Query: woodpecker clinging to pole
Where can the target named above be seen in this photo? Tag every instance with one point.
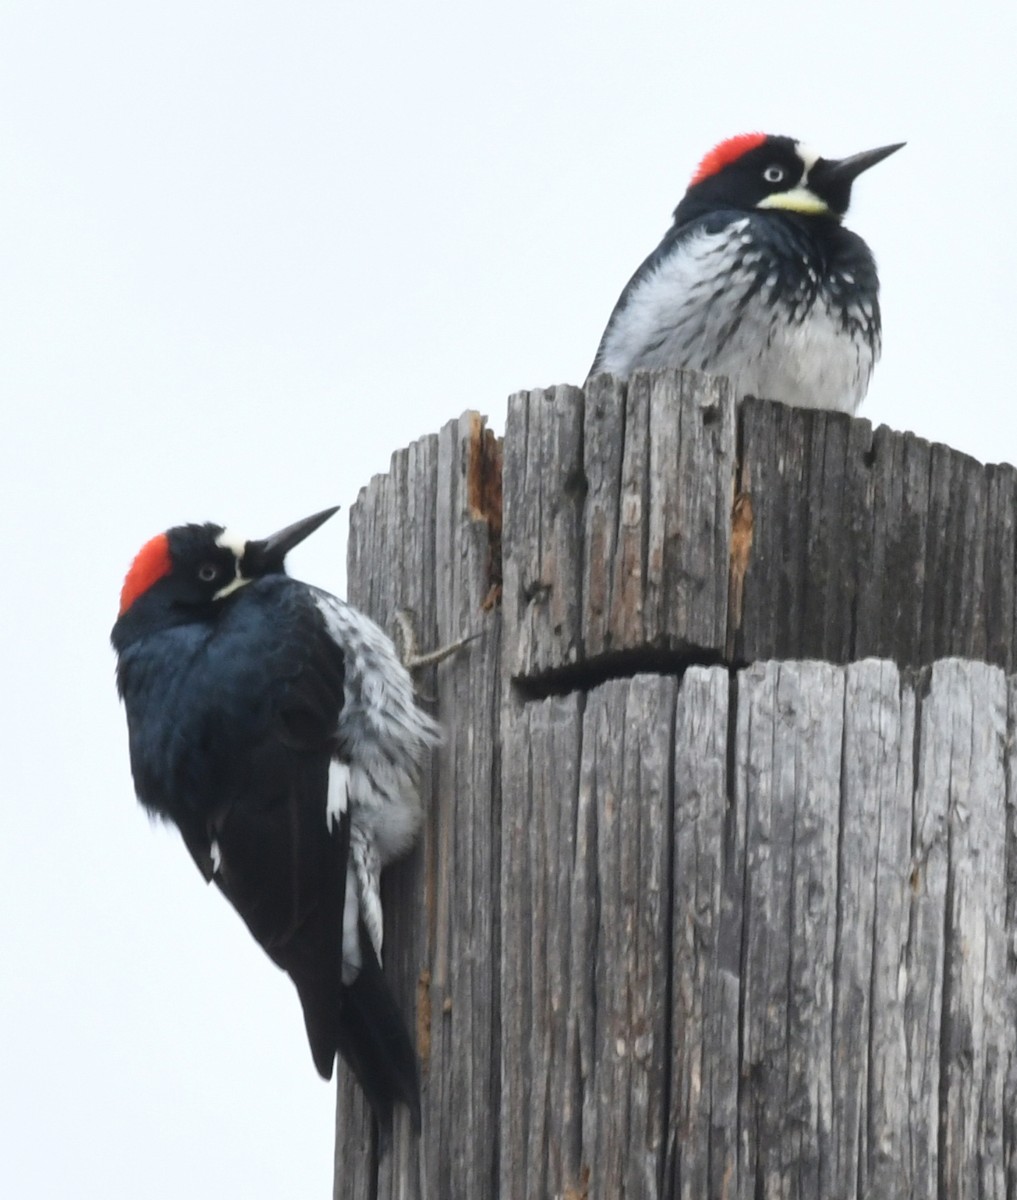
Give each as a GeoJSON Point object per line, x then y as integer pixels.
{"type": "Point", "coordinates": [758, 280]}
{"type": "Point", "coordinates": [275, 726]}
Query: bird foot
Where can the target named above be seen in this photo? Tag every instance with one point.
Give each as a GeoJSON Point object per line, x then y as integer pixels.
{"type": "Point", "coordinates": [406, 644]}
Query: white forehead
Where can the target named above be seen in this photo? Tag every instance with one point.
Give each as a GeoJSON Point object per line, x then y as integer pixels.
{"type": "Point", "coordinates": [808, 156]}
{"type": "Point", "coordinates": [236, 543]}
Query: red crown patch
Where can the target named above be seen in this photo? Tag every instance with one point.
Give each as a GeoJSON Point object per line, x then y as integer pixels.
{"type": "Point", "coordinates": [151, 563]}
{"type": "Point", "coordinates": [726, 152]}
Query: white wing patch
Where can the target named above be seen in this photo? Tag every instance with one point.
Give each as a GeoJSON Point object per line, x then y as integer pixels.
{"type": "Point", "coordinates": [367, 869]}
{"type": "Point", "coordinates": [338, 802]}
{"type": "Point", "coordinates": [384, 739]}
{"type": "Point", "coordinates": [216, 856]}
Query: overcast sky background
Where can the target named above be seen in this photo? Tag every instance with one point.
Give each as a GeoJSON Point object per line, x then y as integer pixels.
{"type": "Point", "coordinates": [249, 249]}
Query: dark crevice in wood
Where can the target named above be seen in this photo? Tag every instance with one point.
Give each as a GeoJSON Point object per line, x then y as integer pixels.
{"type": "Point", "coordinates": [1009, 1108]}
{"type": "Point", "coordinates": [622, 437]}
{"type": "Point", "coordinates": [484, 498]}
{"type": "Point", "coordinates": [596, 896]}
{"type": "Point", "coordinates": [372, 1191]}
{"type": "Point", "coordinates": [837, 984]}
{"type": "Point", "coordinates": [914, 883]}
{"type": "Point", "coordinates": [853, 630]}
{"type": "Point", "coordinates": [810, 596]}
{"type": "Point", "coordinates": [795, 920]}
{"type": "Point", "coordinates": [496, 925]}
{"type": "Point", "coordinates": [577, 488]}
{"type": "Point", "coordinates": [644, 496]}
{"type": "Point", "coordinates": [1010, 848]}
{"type": "Point", "coordinates": [669, 928]}
{"type": "Point", "coordinates": [741, 541]}
{"type": "Point", "coordinates": [946, 1020]}
{"type": "Point", "coordinates": [579, 1079]}
{"type": "Point", "coordinates": [732, 944]}
{"type": "Point", "coordinates": [869, 1138]}
{"type": "Point", "coordinates": [621, 664]}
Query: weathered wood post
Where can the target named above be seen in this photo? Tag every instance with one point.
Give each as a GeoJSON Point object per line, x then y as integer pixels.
{"type": "Point", "coordinates": [718, 890]}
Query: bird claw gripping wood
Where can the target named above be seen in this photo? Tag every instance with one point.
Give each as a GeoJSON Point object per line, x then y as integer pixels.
{"type": "Point", "coordinates": [406, 645]}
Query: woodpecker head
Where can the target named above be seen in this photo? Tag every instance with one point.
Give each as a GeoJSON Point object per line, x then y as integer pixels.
{"type": "Point", "coordinates": [192, 567]}
{"type": "Point", "coordinates": [761, 171]}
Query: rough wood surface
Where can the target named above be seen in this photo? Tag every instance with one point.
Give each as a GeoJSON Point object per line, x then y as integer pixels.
{"type": "Point", "coordinates": [702, 931]}
{"type": "Point", "coordinates": [543, 496]}
{"type": "Point", "coordinates": [649, 518]}
{"type": "Point", "coordinates": [617, 519]}
{"type": "Point", "coordinates": [439, 904]}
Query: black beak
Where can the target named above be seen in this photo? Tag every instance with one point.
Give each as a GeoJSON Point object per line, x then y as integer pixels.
{"type": "Point", "coordinates": [267, 555]}
{"type": "Point", "coordinates": [847, 170]}
{"type": "Point", "coordinates": [831, 178]}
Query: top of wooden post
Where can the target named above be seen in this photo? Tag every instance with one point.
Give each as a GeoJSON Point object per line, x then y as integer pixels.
{"type": "Point", "coordinates": [657, 520]}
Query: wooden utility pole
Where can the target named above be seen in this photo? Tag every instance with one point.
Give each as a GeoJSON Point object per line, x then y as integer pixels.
{"type": "Point", "coordinates": [717, 895]}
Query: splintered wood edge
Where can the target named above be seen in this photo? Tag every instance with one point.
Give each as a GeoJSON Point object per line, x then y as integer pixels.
{"type": "Point", "coordinates": [484, 496]}
{"type": "Point", "coordinates": [742, 523]}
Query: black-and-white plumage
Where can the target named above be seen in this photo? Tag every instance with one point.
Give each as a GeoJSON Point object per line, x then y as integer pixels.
{"type": "Point", "coordinates": [275, 725]}
{"type": "Point", "coordinates": [383, 737]}
{"type": "Point", "coordinates": [758, 280]}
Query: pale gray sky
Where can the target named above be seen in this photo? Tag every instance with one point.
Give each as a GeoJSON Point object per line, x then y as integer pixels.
{"type": "Point", "coordinates": [246, 251]}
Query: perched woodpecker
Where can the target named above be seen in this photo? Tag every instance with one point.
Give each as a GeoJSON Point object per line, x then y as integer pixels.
{"type": "Point", "coordinates": [275, 726]}
{"type": "Point", "coordinates": [758, 280]}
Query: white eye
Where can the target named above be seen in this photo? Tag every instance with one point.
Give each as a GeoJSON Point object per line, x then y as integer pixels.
{"type": "Point", "coordinates": [773, 174]}
{"type": "Point", "coordinates": [207, 572]}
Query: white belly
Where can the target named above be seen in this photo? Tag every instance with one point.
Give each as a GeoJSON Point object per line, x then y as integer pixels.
{"type": "Point", "coordinates": [698, 309]}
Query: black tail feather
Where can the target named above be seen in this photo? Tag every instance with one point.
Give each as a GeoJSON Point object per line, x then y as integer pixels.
{"type": "Point", "coordinates": [373, 1039]}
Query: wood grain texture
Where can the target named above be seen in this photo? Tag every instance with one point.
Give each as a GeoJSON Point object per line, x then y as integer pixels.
{"type": "Point", "coordinates": [543, 498]}
{"type": "Point", "coordinates": [547, 929]}
{"type": "Point", "coordinates": [701, 1152]}
{"type": "Point", "coordinates": [875, 885]}
{"type": "Point", "coordinates": [712, 930]}
{"type": "Point", "coordinates": [423, 547]}
{"type": "Point", "coordinates": [752, 942]}
{"type": "Point", "coordinates": [650, 517]}
{"type": "Point", "coordinates": [617, 519]}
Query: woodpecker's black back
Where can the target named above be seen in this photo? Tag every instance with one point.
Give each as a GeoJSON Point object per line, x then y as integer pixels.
{"type": "Point", "coordinates": [757, 279]}
{"type": "Point", "coordinates": [234, 689]}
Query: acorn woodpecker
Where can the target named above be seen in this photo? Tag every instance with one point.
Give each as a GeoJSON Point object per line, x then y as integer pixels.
{"type": "Point", "coordinates": [758, 280]}
{"type": "Point", "coordinates": [275, 726]}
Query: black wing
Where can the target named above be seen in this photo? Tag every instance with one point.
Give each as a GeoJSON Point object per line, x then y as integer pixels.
{"type": "Point", "coordinates": [275, 852]}
{"type": "Point", "coordinates": [267, 838]}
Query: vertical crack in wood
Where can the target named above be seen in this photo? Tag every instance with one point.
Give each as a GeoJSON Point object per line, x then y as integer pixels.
{"type": "Point", "coordinates": [499, 694]}
{"type": "Point", "coordinates": [944, 1156]}
{"type": "Point", "coordinates": [1009, 1117]}
{"type": "Point", "coordinates": [424, 1020]}
{"type": "Point", "coordinates": [915, 872]}
{"type": "Point", "coordinates": [734, 934]}
{"type": "Point", "coordinates": [648, 622]}
{"type": "Point", "coordinates": [838, 982]}
{"type": "Point", "coordinates": [580, 1070]}
{"type": "Point", "coordinates": [742, 522]}
{"type": "Point", "coordinates": [668, 1057]}
{"type": "Point", "coordinates": [623, 436]}
{"type": "Point", "coordinates": [580, 1190]}
{"type": "Point", "coordinates": [484, 497]}
{"type": "Point", "coordinates": [732, 938]}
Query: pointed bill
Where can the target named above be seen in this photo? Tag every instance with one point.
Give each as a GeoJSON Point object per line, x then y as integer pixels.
{"type": "Point", "coordinates": [846, 170]}
{"type": "Point", "coordinates": [269, 553]}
